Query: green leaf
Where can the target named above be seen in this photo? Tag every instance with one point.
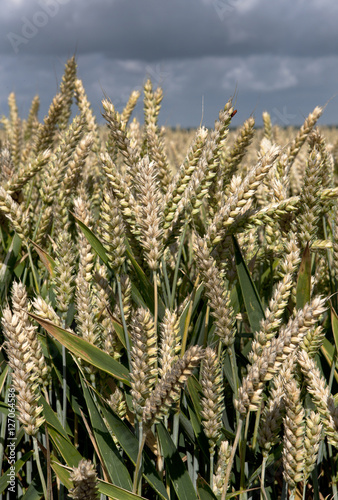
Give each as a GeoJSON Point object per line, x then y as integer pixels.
{"type": "Point", "coordinates": [118, 328]}
{"type": "Point", "coordinates": [204, 491]}
{"type": "Point", "coordinates": [51, 417]}
{"type": "Point", "coordinates": [52, 349]}
{"type": "Point", "coordinates": [129, 444]}
{"type": "Point", "coordinates": [303, 293]}
{"type": "Point", "coordinates": [334, 323]}
{"type": "Point", "coordinates": [109, 454]}
{"type": "Point", "coordinates": [251, 298]}
{"type": "Point", "coordinates": [93, 240]}
{"type": "Point", "coordinates": [116, 493]}
{"type": "Point", "coordinates": [178, 474]}
{"type": "Point", "coordinates": [8, 265]}
{"type": "Point", "coordinates": [104, 488]}
{"type": "Point", "coordinates": [85, 350]}
{"type": "Point", "coordinates": [3, 377]}
{"type": "Point", "coordinates": [46, 259]}
{"type": "Point", "coordinates": [194, 388]}
{"type": "Point", "coordinates": [147, 289]}
{"type": "Point", "coordinates": [4, 479]}
{"type": "Point", "coordinates": [68, 451]}
{"type": "Point", "coordinates": [196, 297]}
{"type": "Point", "coordinates": [4, 408]}
{"type": "Point", "coordinates": [34, 490]}
{"type": "Point", "coordinates": [62, 473]}
{"type": "Point", "coordinates": [198, 430]}
{"type": "Point", "coordinates": [329, 352]}
{"type": "Point", "coordinates": [59, 436]}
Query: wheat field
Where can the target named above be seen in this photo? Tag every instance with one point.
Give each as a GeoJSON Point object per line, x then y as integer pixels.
{"type": "Point", "coordinates": [168, 305]}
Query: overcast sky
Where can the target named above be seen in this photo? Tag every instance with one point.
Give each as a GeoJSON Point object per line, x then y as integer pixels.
{"type": "Point", "coordinates": [275, 55]}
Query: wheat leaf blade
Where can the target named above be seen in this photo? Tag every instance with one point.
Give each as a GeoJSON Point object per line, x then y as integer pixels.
{"type": "Point", "coordinates": [85, 350]}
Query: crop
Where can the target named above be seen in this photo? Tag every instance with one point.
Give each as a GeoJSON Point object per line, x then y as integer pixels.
{"type": "Point", "coordinates": [169, 324]}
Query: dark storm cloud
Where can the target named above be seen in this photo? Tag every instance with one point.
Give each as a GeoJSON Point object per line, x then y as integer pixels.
{"type": "Point", "coordinates": [160, 29]}
{"type": "Point", "coordinates": [279, 56]}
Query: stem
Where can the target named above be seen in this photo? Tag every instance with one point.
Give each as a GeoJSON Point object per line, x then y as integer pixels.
{"type": "Point", "coordinates": [37, 289]}
{"type": "Point", "coordinates": [176, 426]}
{"type": "Point", "coordinates": [314, 476]}
{"type": "Point", "coordinates": [29, 463]}
{"type": "Point", "coordinates": [126, 336]}
{"type": "Point", "coordinates": [188, 318]}
{"type": "Point", "coordinates": [333, 368]}
{"type": "Point", "coordinates": [242, 451]}
{"type": "Point", "coordinates": [206, 324]}
{"type": "Point", "coordinates": [304, 490]}
{"type": "Point", "coordinates": [211, 480]}
{"type": "Point", "coordinates": [263, 494]}
{"type": "Point", "coordinates": [37, 458]}
{"type": "Point", "coordinates": [138, 466]}
{"type": "Point", "coordinates": [258, 417]}
{"type": "Point", "coordinates": [37, 224]}
{"type": "Point", "coordinates": [24, 278]}
{"type": "Point", "coordinates": [284, 489]}
{"type": "Point", "coordinates": [179, 253]}
{"type": "Point", "coordinates": [159, 460]}
{"type": "Point", "coordinates": [155, 303]}
{"type": "Point", "coordinates": [49, 469]}
{"type": "Point", "coordinates": [64, 387]}
{"type": "Point", "coordinates": [232, 356]}
{"type": "Point", "coordinates": [334, 477]}
{"type": "Point", "coordinates": [231, 459]}
{"type": "Point", "coordinates": [155, 315]}
{"type": "Point", "coordinates": [166, 280]}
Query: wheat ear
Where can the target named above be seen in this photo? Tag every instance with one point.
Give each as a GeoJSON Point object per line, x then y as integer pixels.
{"type": "Point", "coordinates": [213, 398]}
{"type": "Point", "coordinates": [67, 86]}
{"type": "Point", "coordinates": [168, 389]}
{"type": "Point", "coordinates": [143, 359]}
{"type": "Point", "coordinates": [85, 482]}
{"type": "Point", "coordinates": [240, 197]}
{"type": "Point", "coordinates": [23, 377]}
{"type": "Point", "coordinates": [149, 217]}
{"type": "Point", "coordinates": [216, 291]}
{"type": "Point", "coordinates": [321, 395]}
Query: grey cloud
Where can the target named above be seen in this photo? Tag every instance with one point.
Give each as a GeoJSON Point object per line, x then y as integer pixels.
{"type": "Point", "coordinates": [279, 56]}
{"type": "Point", "coordinates": [158, 29]}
